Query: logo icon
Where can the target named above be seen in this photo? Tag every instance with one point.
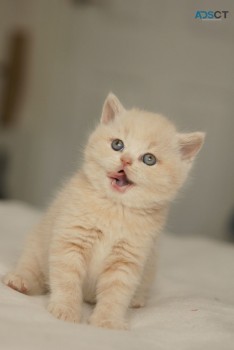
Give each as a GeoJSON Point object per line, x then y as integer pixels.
{"type": "Point", "coordinates": [211, 15]}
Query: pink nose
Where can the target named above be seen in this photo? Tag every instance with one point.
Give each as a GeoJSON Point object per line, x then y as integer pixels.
{"type": "Point", "coordinates": [126, 160]}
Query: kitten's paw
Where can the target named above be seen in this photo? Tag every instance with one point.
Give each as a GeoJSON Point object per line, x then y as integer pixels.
{"type": "Point", "coordinates": [63, 312]}
{"type": "Point", "coordinates": [138, 302]}
{"type": "Point", "coordinates": [16, 282]}
{"type": "Point", "coordinates": [106, 322]}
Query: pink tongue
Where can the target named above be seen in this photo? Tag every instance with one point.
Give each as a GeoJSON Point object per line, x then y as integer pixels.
{"type": "Point", "coordinates": [121, 182]}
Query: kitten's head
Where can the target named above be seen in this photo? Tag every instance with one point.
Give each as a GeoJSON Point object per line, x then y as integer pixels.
{"type": "Point", "coordinates": [138, 158]}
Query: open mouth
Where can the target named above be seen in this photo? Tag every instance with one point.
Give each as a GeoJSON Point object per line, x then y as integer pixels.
{"type": "Point", "coordinates": [120, 181]}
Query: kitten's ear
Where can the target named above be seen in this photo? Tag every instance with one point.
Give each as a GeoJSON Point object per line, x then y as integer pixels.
{"type": "Point", "coordinates": [190, 144]}
{"type": "Point", "coordinates": [112, 107]}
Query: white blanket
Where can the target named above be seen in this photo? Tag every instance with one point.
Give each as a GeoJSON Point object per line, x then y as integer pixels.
{"type": "Point", "coordinates": [191, 305]}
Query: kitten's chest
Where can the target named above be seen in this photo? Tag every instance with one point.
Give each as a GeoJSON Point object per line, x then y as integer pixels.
{"type": "Point", "coordinates": [113, 227]}
{"type": "Point", "coordinates": [114, 224]}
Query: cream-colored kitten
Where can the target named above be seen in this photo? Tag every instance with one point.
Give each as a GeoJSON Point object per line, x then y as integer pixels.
{"type": "Point", "coordinates": [97, 241]}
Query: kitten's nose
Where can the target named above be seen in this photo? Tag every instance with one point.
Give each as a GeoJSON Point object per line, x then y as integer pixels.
{"type": "Point", "coordinates": [126, 159]}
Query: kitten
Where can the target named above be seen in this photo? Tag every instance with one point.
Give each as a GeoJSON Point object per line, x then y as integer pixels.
{"type": "Point", "coordinates": [97, 242]}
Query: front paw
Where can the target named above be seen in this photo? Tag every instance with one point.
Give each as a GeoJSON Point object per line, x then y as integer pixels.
{"type": "Point", "coordinates": [64, 312]}
{"type": "Point", "coordinates": [107, 322]}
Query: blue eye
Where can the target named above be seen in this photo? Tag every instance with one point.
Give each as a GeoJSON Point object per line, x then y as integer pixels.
{"type": "Point", "coordinates": [117, 145]}
{"type": "Point", "coordinates": [149, 159]}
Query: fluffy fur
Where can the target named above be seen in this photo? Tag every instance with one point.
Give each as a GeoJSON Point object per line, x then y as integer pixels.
{"type": "Point", "coordinates": [97, 242]}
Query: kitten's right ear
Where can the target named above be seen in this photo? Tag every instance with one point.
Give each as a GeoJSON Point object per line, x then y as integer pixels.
{"type": "Point", "coordinates": [112, 107]}
{"type": "Point", "coordinates": [190, 144]}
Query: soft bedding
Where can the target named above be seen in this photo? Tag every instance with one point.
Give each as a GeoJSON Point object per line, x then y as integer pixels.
{"type": "Point", "coordinates": [190, 307]}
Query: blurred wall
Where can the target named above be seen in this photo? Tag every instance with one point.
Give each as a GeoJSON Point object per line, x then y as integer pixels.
{"type": "Point", "coordinates": [152, 54]}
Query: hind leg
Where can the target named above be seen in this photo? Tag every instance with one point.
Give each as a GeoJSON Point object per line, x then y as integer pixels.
{"type": "Point", "coordinates": [27, 277]}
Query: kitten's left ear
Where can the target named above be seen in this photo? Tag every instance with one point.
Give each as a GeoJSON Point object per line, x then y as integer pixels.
{"type": "Point", "coordinates": [112, 107]}
{"type": "Point", "coordinates": [190, 144]}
